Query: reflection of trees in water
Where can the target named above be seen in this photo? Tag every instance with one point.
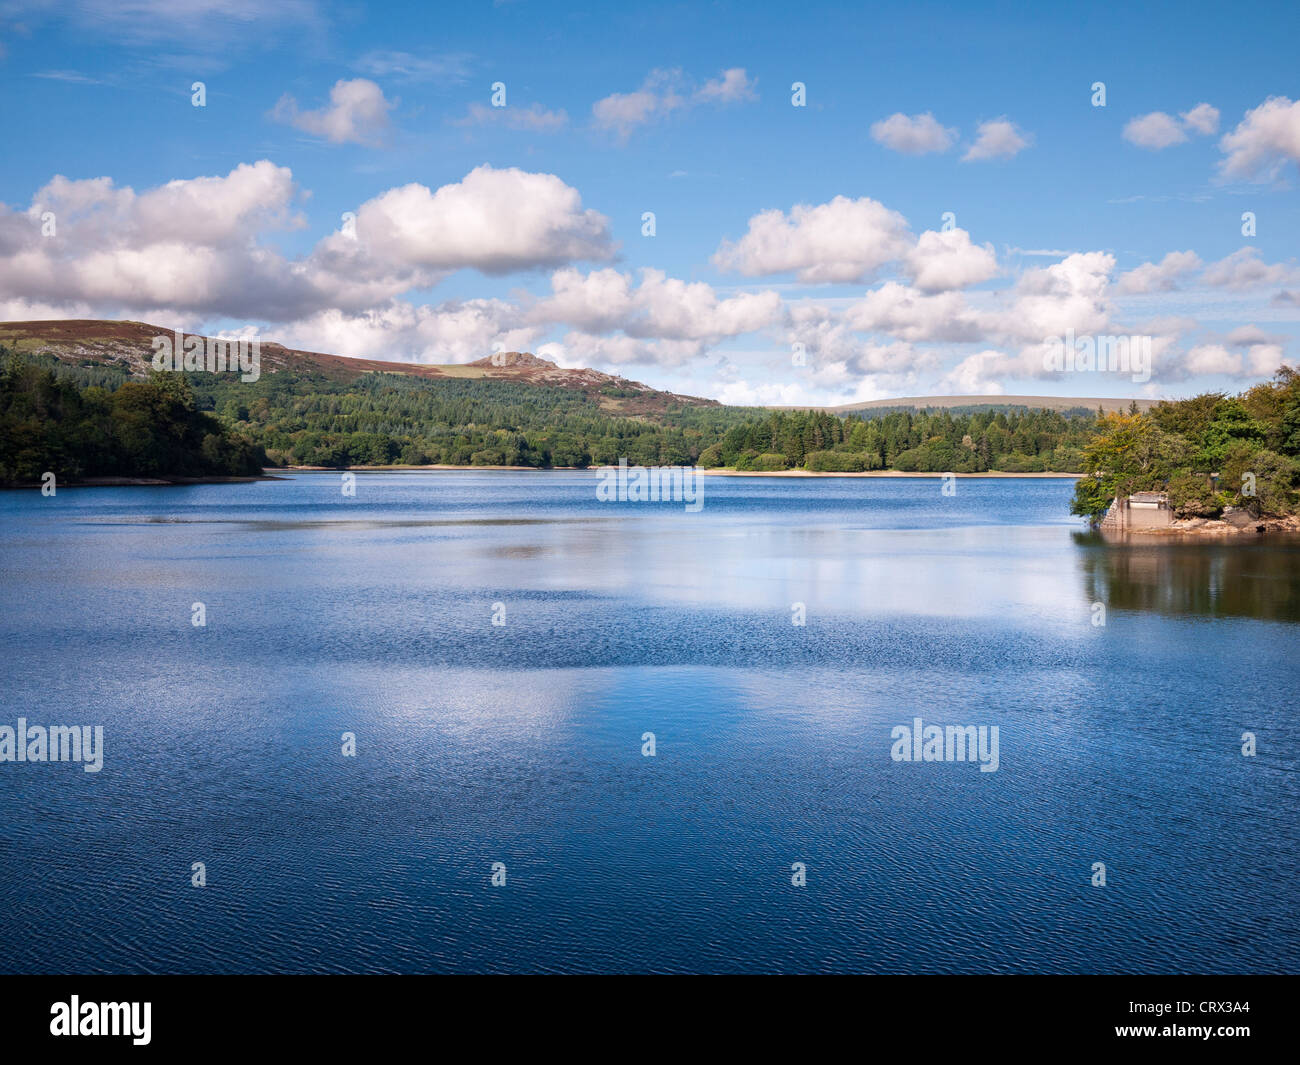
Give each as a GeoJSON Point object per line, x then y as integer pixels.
{"type": "Point", "coordinates": [1258, 580]}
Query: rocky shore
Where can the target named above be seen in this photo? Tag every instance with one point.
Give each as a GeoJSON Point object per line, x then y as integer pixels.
{"type": "Point", "coordinates": [1234, 522]}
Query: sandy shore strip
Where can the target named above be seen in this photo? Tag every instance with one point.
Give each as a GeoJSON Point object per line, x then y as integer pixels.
{"type": "Point", "coordinates": [877, 473]}
{"type": "Point", "coordinates": [414, 469]}
{"type": "Point", "coordinates": [714, 472]}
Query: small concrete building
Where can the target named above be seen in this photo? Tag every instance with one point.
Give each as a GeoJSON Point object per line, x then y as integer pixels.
{"type": "Point", "coordinates": [1141, 510]}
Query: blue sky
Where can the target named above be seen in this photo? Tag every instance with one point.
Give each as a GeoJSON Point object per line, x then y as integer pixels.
{"type": "Point", "coordinates": [800, 253]}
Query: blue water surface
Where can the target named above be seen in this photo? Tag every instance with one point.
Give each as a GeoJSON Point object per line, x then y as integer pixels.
{"type": "Point", "coordinates": [521, 743]}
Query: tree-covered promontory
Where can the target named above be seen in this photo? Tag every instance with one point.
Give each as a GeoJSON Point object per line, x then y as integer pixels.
{"type": "Point", "coordinates": [1208, 453]}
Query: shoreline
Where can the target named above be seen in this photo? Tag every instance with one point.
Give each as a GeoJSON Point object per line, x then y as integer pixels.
{"type": "Point", "coordinates": [414, 469]}
{"type": "Point", "coordinates": [713, 471]}
{"type": "Point", "coordinates": [991, 474]}
{"type": "Point", "coordinates": [276, 473]}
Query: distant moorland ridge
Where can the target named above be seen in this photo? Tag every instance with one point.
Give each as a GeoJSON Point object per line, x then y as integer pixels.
{"type": "Point", "coordinates": [1091, 403]}
{"type": "Point", "coordinates": [130, 345]}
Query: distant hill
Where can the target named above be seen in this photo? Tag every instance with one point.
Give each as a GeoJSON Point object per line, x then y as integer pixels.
{"type": "Point", "coordinates": [129, 345]}
{"type": "Point", "coordinates": [972, 403]}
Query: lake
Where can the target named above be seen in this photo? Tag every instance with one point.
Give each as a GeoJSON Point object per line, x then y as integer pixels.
{"type": "Point", "coordinates": [776, 758]}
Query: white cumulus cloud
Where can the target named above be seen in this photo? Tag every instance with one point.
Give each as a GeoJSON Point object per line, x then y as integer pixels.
{"type": "Point", "coordinates": [1263, 141]}
{"type": "Point", "coordinates": [1154, 131]}
{"type": "Point", "coordinates": [357, 113]}
{"type": "Point", "coordinates": [913, 134]}
{"type": "Point", "coordinates": [659, 307]}
{"type": "Point", "coordinates": [1244, 269]}
{"type": "Point", "coordinates": [1202, 119]}
{"type": "Point", "coordinates": [495, 221]}
{"type": "Point", "coordinates": [843, 240]}
{"type": "Point", "coordinates": [665, 92]}
{"type": "Point", "coordinates": [1159, 277]}
{"type": "Point", "coordinates": [947, 259]}
{"type": "Point", "coordinates": [998, 139]}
